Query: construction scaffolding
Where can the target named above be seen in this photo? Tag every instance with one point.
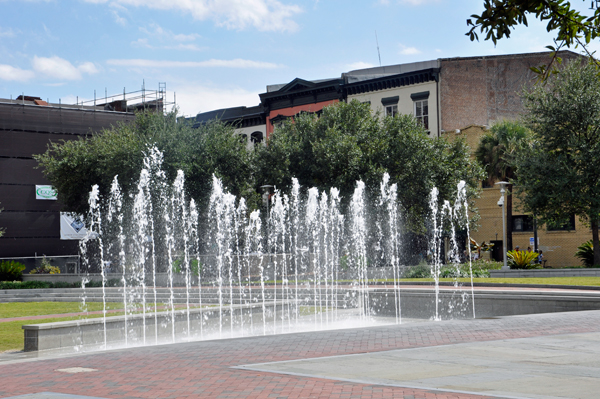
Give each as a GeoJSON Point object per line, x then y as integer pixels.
{"type": "Point", "coordinates": [144, 99]}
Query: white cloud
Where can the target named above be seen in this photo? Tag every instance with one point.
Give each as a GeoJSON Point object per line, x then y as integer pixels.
{"type": "Point", "coordinates": [188, 47]}
{"type": "Point", "coordinates": [7, 32]}
{"type": "Point", "coordinates": [264, 15]}
{"type": "Point", "coordinates": [88, 67]}
{"type": "Point", "coordinates": [141, 43]}
{"type": "Point", "coordinates": [159, 34]}
{"type": "Point", "coordinates": [404, 50]}
{"type": "Point", "coordinates": [119, 19]}
{"type": "Point", "coordinates": [194, 99]}
{"type": "Point", "coordinates": [11, 73]}
{"type": "Point", "coordinates": [236, 63]}
{"type": "Point", "coordinates": [359, 65]}
{"type": "Point", "coordinates": [59, 68]}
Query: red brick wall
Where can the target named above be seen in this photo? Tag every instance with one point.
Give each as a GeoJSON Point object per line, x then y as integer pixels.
{"type": "Point", "coordinates": [483, 90]}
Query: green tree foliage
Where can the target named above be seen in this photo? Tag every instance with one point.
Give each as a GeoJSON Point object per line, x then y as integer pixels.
{"type": "Point", "coordinates": [494, 153]}
{"type": "Point", "coordinates": [558, 170]}
{"type": "Point", "coordinates": [572, 28]}
{"type": "Point", "coordinates": [347, 143]}
{"type": "Point", "coordinates": [74, 166]}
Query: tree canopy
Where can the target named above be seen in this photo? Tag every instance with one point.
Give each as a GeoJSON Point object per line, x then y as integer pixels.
{"type": "Point", "coordinates": [573, 28]}
{"type": "Point", "coordinates": [74, 166]}
{"type": "Point", "coordinates": [347, 143]}
{"type": "Point", "coordinates": [344, 144]}
{"type": "Point", "coordinates": [558, 170]}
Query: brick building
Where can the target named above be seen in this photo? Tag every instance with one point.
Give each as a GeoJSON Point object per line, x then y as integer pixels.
{"type": "Point", "coordinates": [444, 94]}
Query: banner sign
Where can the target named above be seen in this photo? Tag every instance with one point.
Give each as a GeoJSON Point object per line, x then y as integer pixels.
{"type": "Point", "coordinates": [45, 193]}
{"type": "Point", "coordinates": [72, 227]}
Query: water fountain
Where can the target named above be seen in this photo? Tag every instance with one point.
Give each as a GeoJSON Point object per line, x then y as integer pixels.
{"type": "Point", "coordinates": [186, 274]}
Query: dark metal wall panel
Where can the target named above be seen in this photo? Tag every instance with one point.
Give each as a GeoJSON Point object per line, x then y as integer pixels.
{"type": "Point", "coordinates": [30, 224]}
{"type": "Point", "coordinates": [22, 198]}
{"type": "Point", "coordinates": [53, 119]}
{"type": "Point", "coordinates": [24, 143]}
{"type": "Point", "coordinates": [20, 171]}
{"type": "Point", "coordinates": [41, 246]}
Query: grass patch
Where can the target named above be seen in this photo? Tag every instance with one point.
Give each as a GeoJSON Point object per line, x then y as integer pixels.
{"type": "Point", "coordinates": [11, 333]}
{"type": "Point", "coordinates": [21, 309]}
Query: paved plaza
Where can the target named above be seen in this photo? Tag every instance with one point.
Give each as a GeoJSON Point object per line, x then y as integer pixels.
{"type": "Point", "coordinates": [553, 355]}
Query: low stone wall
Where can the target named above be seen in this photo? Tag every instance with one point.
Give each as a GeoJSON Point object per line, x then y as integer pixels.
{"type": "Point", "coordinates": [89, 333]}
{"type": "Point", "coordinates": [545, 273]}
{"type": "Point", "coordinates": [454, 305]}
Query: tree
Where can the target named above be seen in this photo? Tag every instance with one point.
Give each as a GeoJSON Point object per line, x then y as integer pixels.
{"type": "Point", "coordinates": [74, 166]}
{"type": "Point", "coordinates": [558, 170]}
{"type": "Point", "coordinates": [494, 153]}
{"type": "Point", "coordinates": [573, 28]}
{"type": "Point", "coordinates": [347, 143]}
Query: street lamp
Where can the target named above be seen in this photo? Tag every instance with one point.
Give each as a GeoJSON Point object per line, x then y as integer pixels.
{"type": "Point", "coordinates": [501, 202]}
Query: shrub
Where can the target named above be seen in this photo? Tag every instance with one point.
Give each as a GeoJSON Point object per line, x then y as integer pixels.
{"type": "Point", "coordinates": [23, 285]}
{"type": "Point", "coordinates": [463, 272]}
{"type": "Point", "coordinates": [11, 270]}
{"type": "Point", "coordinates": [522, 260]}
{"type": "Point", "coordinates": [585, 253]}
{"type": "Point", "coordinates": [45, 268]}
{"type": "Point", "coordinates": [422, 270]}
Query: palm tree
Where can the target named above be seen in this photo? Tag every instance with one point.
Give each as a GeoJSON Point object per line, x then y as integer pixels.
{"type": "Point", "coordinates": [494, 154]}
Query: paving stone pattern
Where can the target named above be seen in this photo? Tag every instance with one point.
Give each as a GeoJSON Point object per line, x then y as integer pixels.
{"type": "Point", "coordinates": [204, 369]}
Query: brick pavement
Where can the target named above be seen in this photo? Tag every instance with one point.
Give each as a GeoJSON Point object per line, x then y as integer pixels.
{"type": "Point", "coordinates": [203, 369]}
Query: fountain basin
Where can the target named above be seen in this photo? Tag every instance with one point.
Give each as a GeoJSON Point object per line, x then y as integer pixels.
{"type": "Point", "coordinates": [89, 334]}
{"type": "Point", "coordinates": [208, 323]}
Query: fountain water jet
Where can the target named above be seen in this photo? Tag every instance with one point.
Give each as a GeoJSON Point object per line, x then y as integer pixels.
{"type": "Point", "coordinates": [312, 265]}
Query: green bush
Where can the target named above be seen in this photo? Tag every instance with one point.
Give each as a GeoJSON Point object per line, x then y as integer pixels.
{"type": "Point", "coordinates": [585, 253]}
{"type": "Point", "coordinates": [522, 260]}
{"type": "Point", "coordinates": [462, 272]}
{"type": "Point", "coordinates": [23, 285]}
{"type": "Point", "coordinates": [422, 270]}
{"type": "Point", "coordinates": [11, 270]}
{"type": "Point", "coordinates": [45, 268]}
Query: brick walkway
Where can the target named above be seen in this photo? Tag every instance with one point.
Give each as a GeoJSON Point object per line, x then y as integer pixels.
{"type": "Point", "coordinates": [203, 369]}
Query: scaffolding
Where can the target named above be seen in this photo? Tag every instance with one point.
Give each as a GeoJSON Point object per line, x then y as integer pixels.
{"type": "Point", "coordinates": [144, 99]}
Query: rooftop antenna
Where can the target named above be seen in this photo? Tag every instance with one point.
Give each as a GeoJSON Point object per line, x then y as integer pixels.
{"type": "Point", "coordinates": [378, 53]}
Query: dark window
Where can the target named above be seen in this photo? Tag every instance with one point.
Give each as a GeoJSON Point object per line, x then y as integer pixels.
{"type": "Point", "coordinates": [522, 223]}
{"type": "Point", "coordinates": [569, 224]}
{"type": "Point", "coordinates": [256, 137]}
{"type": "Point", "coordinates": [422, 113]}
{"type": "Point", "coordinates": [486, 184]}
{"type": "Point", "coordinates": [391, 110]}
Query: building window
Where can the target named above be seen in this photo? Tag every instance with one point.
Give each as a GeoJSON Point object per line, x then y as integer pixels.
{"type": "Point", "coordinates": [522, 223]}
{"type": "Point", "coordinates": [422, 113]}
{"type": "Point", "coordinates": [391, 110]}
{"type": "Point", "coordinates": [390, 104]}
{"type": "Point", "coordinates": [256, 137]}
{"type": "Point", "coordinates": [569, 224]}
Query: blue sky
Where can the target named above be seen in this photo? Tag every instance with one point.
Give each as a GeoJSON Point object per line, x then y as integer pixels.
{"type": "Point", "coordinates": [222, 53]}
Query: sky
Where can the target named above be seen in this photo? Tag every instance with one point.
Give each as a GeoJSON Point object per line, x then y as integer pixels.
{"type": "Point", "coordinates": [214, 54]}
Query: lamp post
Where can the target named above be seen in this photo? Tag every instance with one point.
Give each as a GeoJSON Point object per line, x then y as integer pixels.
{"type": "Point", "coordinates": [501, 202]}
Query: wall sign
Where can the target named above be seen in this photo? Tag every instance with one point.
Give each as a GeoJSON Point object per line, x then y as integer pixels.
{"type": "Point", "coordinates": [45, 193]}
{"type": "Point", "coordinates": [72, 227]}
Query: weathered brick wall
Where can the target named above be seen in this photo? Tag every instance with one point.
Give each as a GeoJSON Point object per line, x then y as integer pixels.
{"type": "Point", "coordinates": [483, 90]}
